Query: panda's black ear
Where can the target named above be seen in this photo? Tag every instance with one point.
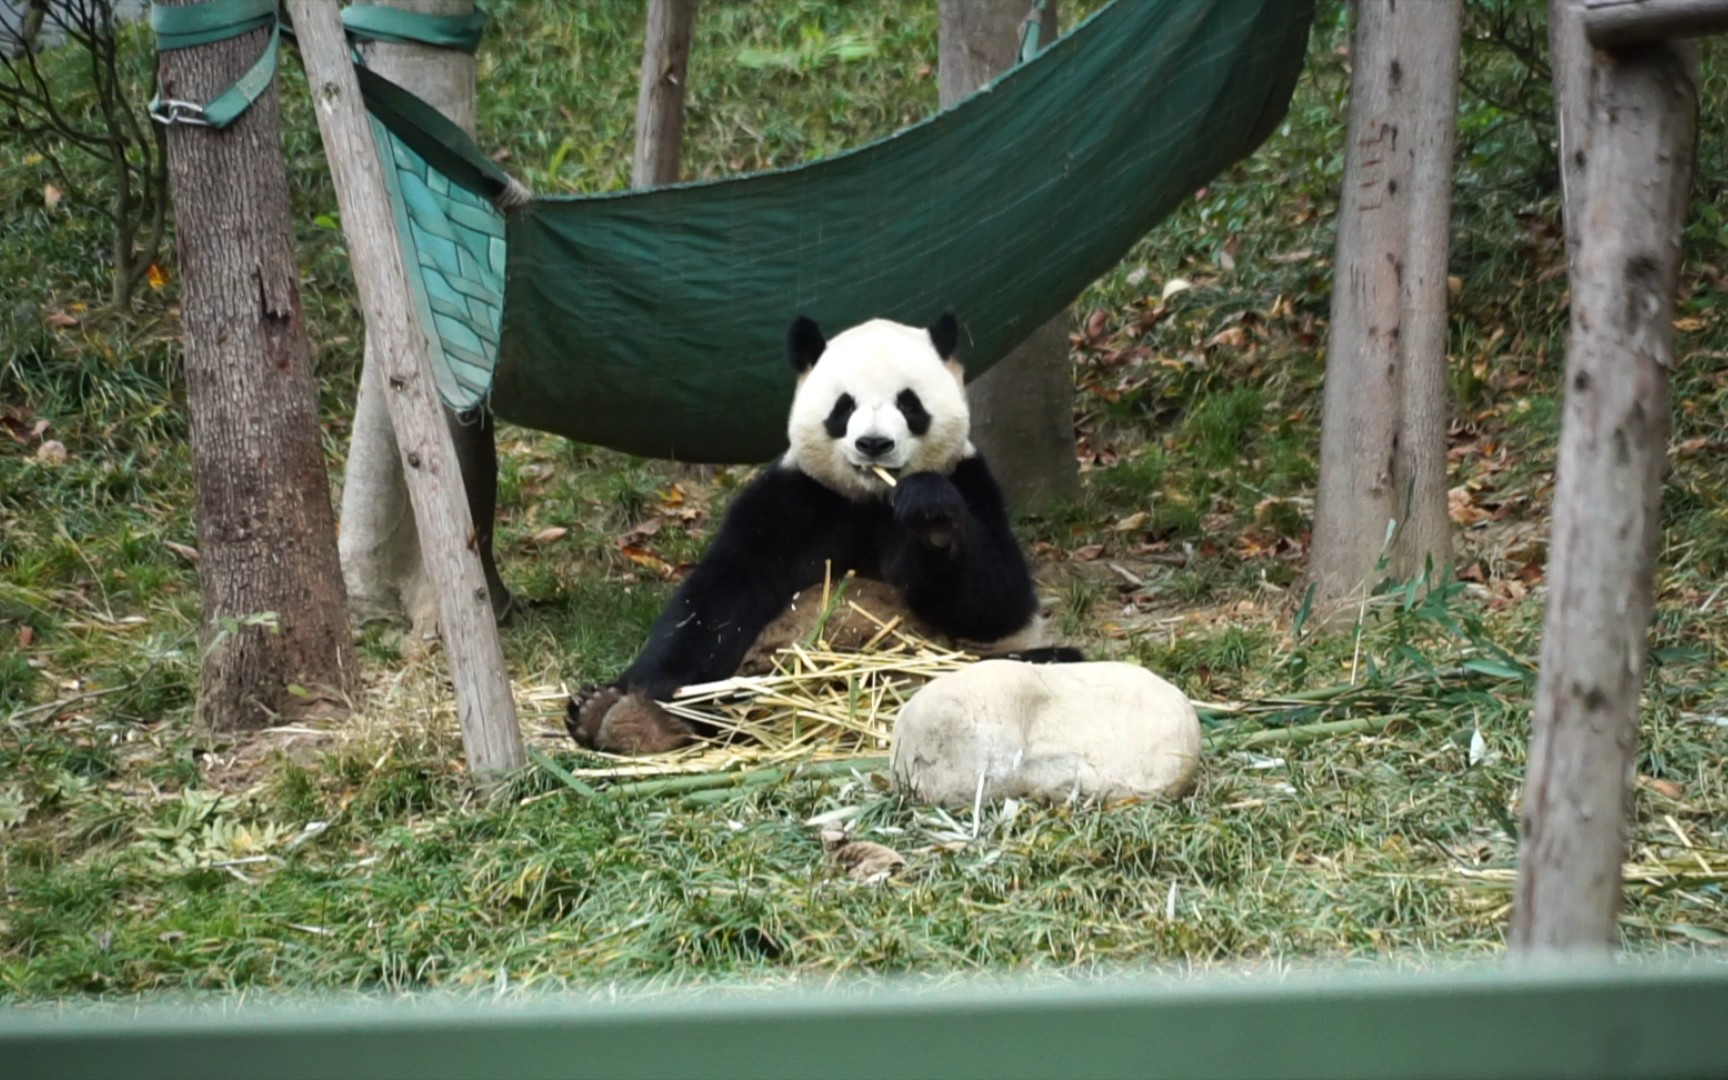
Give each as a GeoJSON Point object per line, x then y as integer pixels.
{"type": "Point", "coordinates": [804, 344]}
{"type": "Point", "coordinates": [945, 334]}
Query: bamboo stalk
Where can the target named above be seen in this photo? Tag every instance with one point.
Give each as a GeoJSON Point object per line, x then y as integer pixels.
{"type": "Point", "coordinates": [1301, 733]}
{"type": "Point", "coordinates": [815, 770]}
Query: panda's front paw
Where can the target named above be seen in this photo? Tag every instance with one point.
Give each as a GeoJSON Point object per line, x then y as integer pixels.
{"type": "Point", "coordinates": [931, 506]}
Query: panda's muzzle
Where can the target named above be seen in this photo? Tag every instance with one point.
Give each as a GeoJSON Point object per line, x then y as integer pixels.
{"type": "Point", "coordinates": [874, 447]}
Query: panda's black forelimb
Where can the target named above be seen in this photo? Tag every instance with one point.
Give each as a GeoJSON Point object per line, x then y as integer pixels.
{"type": "Point", "coordinates": [945, 541]}
{"type": "Point", "coordinates": [777, 538]}
{"type": "Point", "coordinates": [963, 572]}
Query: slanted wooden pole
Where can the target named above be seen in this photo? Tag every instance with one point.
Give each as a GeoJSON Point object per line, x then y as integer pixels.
{"type": "Point", "coordinates": [1611, 24]}
{"type": "Point", "coordinates": [660, 97]}
{"type": "Point", "coordinates": [483, 700]}
{"type": "Point", "coordinates": [1613, 445]}
{"type": "Point", "coordinates": [1570, 61]}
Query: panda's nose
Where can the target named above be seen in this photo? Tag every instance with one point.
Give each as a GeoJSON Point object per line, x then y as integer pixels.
{"type": "Point", "coordinates": [874, 445]}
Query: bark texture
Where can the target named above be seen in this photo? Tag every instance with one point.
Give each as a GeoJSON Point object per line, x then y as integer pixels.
{"type": "Point", "coordinates": [1569, 60]}
{"type": "Point", "coordinates": [1023, 408]}
{"type": "Point", "coordinates": [660, 99]}
{"type": "Point", "coordinates": [381, 561]}
{"type": "Point", "coordinates": [484, 704]}
{"type": "Point", "coordinates": [266, 536]}
{"type": "Point", "coordinates": [1383, 429]}
{"type": "Point", "coordinates": [1607, 497]}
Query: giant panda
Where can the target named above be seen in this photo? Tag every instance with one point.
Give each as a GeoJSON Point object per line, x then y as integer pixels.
{"type": "Point", "coordinates": [881, 395]}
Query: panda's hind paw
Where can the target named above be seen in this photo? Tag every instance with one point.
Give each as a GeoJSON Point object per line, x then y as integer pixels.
{"type": "Point", "coordinates": [609, 719]}
{"type": "Point", "coordinates": [587, 711]}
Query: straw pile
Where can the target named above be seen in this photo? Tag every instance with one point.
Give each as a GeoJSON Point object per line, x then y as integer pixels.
{"type": "Point", "coordinates": [818, 702]}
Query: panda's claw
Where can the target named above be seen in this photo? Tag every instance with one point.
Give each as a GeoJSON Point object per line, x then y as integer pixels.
{"type": "Point", "coordinates": [587, 711]}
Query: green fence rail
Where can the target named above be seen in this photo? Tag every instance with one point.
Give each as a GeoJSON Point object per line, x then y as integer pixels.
{"type": "Point", "coordinates": [1624, 1022]}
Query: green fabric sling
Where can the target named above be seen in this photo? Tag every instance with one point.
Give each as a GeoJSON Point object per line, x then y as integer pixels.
{"type": "Point", "coordinates": [653, 322]}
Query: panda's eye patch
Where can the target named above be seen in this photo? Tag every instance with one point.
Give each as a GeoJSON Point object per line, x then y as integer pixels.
{"type": "Point", "coordinates": [917, 419]}
{"type": "Point", "coordinates": [835, 425]}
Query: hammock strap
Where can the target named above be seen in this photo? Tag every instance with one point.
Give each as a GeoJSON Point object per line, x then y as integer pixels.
{"type": "Point", "coordinates": [1032, 31]}
{"type": "Point", "coordinates": [190, 25]}
{"type": "Point", "coordinates": [396, 26]}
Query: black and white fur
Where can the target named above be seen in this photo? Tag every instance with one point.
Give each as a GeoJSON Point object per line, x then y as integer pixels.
{"type": "Point", "coordinates": [879, 395]}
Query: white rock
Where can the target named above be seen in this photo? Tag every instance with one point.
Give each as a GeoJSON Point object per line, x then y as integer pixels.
{"type": "Point", "coordinates": [1046, 731]}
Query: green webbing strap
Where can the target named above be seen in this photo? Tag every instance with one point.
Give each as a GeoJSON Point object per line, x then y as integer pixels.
{"type": "Point", "coordinates": [372, 22]}
{"type": "Point", "coordinates": [430, 134]}
{"type": "Point", "coordinates": [1032, 30]}
{"type": "Point", "coordinates": [422, 128]}
{"type": "Point", "coordinates": [206, 23]}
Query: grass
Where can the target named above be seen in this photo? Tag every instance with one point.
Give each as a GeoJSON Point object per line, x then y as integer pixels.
{"type": "Point", "coordinates": [1330, 825]}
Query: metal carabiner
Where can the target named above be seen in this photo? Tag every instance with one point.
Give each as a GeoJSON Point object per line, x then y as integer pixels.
{"type": "Point", "coordinates": [175, 111]}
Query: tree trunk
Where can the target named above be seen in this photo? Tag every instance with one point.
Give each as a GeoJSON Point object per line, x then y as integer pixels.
{"type": "Point", "coordinates": [1023, 408]}
{"type": "Point", "coordinates": [266, 537]}
{"type": "Point", "coordinates": [381, 561]}
{"type": "Point", "coordinates": [484, 705]}
{"type": "Point", "coordinates": [1383, 430]}
{"type": "Point", "coordinates": [660, 101]}
{"type": "Point", "coordinates": [1607, 497]}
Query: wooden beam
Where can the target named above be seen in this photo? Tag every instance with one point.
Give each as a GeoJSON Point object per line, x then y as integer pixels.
{"type": "Point", "coordinates": [484, 704]}
{"type": "Point", "coordinates": [1613, 24]}
{"type": "Point", "coordinates": [1512, 1023]}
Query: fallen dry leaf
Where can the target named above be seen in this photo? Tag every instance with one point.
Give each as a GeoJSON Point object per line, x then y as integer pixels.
{"type": "Point", "coordinates": [190, 554]}
{"type": "Point", "coordinates": [1691, 324]}
{"type": "Point", "coordinates": [21, 434]}
{"type": "Point", "coordinates": [1131, 522]}
{"type": "Point", "coordinates": [61, 319]}
{"type": "Point", "coordinates": [158, 277]}
{"type": "Point", "coordinates": [863, 860]}
{"type": "Point", "coordinates": [1232, 336]}
{"type": "Point", "coordinates": [1462, 509]}
{"type": "Point", "coordinates": [644, 557]}
{"type": "Point", "coordinates": [52, 452]}
{"type": "Point", "coordinates": [1088, 553]}
{"type": "Point", "coordinates": [548, 535]}
{"type": "Point", "coordinates": [1664, 787]}
{"type": "Point", "coordinates": [51, 196]}
{"type": "Point", "coordinates": [1174, 286]}
{"type": "Point", "coordinates": [26, 637]}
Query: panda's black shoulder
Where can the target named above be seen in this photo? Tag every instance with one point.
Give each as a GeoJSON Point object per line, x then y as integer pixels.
{"type": "Point", "coordinates": [784, 498]}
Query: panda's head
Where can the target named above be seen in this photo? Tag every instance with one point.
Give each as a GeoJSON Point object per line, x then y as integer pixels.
{"type": "Point", "coordinates": [880, 394]}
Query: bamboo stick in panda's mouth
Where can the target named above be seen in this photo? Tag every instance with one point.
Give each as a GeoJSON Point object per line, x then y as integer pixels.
{"type": "Point", "coordinates": [886, 476]}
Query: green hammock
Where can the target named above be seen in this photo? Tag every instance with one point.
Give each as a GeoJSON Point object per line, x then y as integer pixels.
{"type": "Point", "coordinates": [653, 321]}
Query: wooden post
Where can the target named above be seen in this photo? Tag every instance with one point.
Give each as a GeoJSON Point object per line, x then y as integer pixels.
{"type": "Point", "coordinates": [483, 699]}
{"type": "Point", "coordinates": [1613, 446]}
{"type": "Point", "coordinates": [1611, 24]}
{"type": "Point", "coordinates": [660, 100]}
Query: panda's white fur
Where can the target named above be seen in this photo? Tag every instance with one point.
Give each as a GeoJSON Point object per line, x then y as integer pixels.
{"type": "Point", "coordinates": [873, 363]}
